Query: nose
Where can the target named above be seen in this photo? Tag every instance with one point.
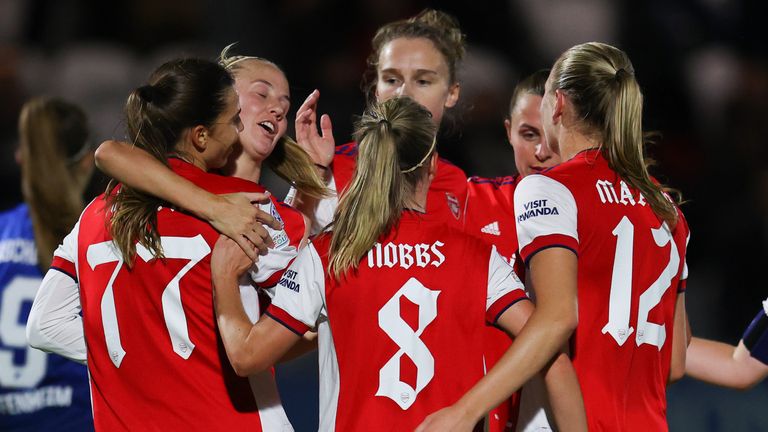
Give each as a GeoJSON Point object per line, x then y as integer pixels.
{"type": "Point", "coordinates": [277, 109]}
{"type": "Point", "coordinates": [543, 152]}
{"type": "Point", "coordinates": [403, 90]}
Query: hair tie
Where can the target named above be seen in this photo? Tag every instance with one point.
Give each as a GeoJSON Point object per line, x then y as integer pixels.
{"type": "Point", "coordinates": [147, 93]}
{"type": "Point", "coordinates": [424, 159]}
{"type": "Point", "coordinates": [620, 73]}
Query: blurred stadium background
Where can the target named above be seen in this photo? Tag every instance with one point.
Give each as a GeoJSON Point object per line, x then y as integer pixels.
{"type": "Point", "coordinates": [700, 63]}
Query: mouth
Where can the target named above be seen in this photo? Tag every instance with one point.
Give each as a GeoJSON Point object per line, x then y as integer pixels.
{"type": "Point", "coordinates": [269, 127]}
{"type": "Point", "coordinates": [537, 169]}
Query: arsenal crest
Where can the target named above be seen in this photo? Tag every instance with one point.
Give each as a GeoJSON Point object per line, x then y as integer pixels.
{"type": "Point", "coordinates": [453, 204]}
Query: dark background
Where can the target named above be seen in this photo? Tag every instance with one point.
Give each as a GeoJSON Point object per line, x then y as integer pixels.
{"type": "Point", "coordinates": [700, 63]}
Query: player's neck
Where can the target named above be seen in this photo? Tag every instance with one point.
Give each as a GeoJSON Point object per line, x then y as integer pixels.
{"type": "Point", "coordinates": [246, 168]}
{"type": "Point", "coordinates": [571, 143]}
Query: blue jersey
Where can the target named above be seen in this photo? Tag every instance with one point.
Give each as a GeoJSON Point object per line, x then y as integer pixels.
{"type": "Point", "coordinates": [38, 391]}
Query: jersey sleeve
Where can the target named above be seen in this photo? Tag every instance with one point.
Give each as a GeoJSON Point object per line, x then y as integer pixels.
{"type": "Point", "coordinates": [504, 287]}
{"type": "Point", "coordinates": [299, 301]}
{"type": "Point", "coordinates": [268, 269]}
{"type": "Point", "coordinates": [65, 256]}
{"type": "Point", "coordinates": [324, 209]}
{"type": "Point", "coordinates": [55, 324]}
{"type": "Point", "coordinates": [756, 335]}
{"type": "Point", "coordinates": [545, 215]}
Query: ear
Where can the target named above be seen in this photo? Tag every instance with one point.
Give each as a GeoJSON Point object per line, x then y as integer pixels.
{"type": "Point", "coordinates": [199, 137]}
{"type": "Point", "coordinates": [508, 128]}
{"type": "Point", "coordinates": [453, 95]}
{"type": "Point", "coordinates": [433, 166]}
{"type": "Point", "coordinates": [557, 112]}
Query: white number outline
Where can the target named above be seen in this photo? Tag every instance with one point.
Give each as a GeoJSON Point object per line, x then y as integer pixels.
{"type": "Point", "coordinates": [408, 342]}
{"type": "Point", "coordinates": [193, 249]}
{"type": "Point", "coordinates": [621, 288]}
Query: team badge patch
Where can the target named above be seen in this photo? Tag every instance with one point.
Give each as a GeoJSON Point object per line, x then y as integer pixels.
{"type": "Point", "coordinates": [453, 204]}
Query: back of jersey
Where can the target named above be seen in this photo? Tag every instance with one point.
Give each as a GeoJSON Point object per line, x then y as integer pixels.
{"type": "Point", "coordinates": [38, 391]}
{"type": "Point", "coordinates": [407, 328]}
{"type": "Point", "coordinates": [630, 267]}
{"type": "Point", "coordinates": [154, 354]}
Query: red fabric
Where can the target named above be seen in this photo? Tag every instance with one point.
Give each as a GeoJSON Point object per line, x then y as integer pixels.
{"type": "Point", "coordinates": [154, 388]}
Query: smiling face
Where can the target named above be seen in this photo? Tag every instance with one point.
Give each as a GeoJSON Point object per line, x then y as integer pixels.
{"type": "Point", "coordinates": [414, 67]}
{"type": "Point", "coordinates": [524, 131]}
{"type": "Point", "coordinates": [264, 100]}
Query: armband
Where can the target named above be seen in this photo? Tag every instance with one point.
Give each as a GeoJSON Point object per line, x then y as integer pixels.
{"type": "Point", "coordinates": [756, 337]}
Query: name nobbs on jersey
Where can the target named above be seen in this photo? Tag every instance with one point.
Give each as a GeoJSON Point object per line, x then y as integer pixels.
{"type": "Point", "coordinates": [405, 255]}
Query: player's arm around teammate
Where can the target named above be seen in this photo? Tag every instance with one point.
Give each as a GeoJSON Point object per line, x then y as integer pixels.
{"type": "Point", "coordinates": [740, 367]}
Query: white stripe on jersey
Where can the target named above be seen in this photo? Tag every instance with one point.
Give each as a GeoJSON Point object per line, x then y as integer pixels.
{"type": "Point", "coordinates": [501, 278]}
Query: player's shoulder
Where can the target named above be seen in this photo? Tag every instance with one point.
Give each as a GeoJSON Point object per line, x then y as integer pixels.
{"type": "Point", "coordinates": [494, 188]}
{"type": "Point", "coordinates": [346, 150]}
{"type": "Point", "coordinates": [292, 219]}
{"type": "Point", "coordinates": [446, 168]}
{"type": "Point", "coordinates": [14, 215]}
{"type": "Point", "coordinates": [212, 182]}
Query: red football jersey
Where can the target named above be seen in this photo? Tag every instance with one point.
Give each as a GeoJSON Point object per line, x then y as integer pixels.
{"type": "Point", "coordinates": [489, 215]}
{"type": "Point", "coordinates": [446, 197]}
{"type": "Point", "coordinates": [155, 358]}
{"type": "Point", "coordinates": [398, 338]}
{"type": "Point", "coordinates": [631, 267]}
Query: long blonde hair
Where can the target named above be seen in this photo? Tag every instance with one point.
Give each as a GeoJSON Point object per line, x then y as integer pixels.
{"type": "Point", "coordinates": [288, 160]}
{"type": "Point", "coordinates": [54, 140]}
{"type": "Point", "coordinates": [600, 81]}
{"type": "Point", "coordinates": [395, 140]}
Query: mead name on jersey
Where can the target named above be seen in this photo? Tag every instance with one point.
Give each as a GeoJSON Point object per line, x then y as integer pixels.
{"type": "Point", "coordinates": [610, 194]}
{"type": "Point", "coordinates": [406, 255]}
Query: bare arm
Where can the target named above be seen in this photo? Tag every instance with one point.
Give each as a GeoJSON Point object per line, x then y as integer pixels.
{"type": "Point", "coordinates": [251, 348]}
{"type": "Point", "coordinates": [232, 214]}
{"type": "Point", "coordinates": [723, 364]}
{"type": "Point", "coordinates": [559, 375]}
{"type": "Point", "coordinates": [680, 340]}
{"type": "Point", "coordinates": [553, 276]}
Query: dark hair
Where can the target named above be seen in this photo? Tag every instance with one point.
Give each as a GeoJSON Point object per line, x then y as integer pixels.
{"type": "Point", "coordinates": [396, 138]}
{"type": "Point", "coordinates": [437, 26]}
{"type": "Point", "coordinates": [532, 84]}
{"type": "Point", "coordinates": [53, 140]}
{"type": "Point", "coordinates": [179, 95]}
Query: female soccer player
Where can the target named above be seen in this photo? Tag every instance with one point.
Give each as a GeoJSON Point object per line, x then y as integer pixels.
{"type": "Point", "coordinates": [389, 290]}
{"type": "Point", "coordinates": [490, 215]}
{"type": "Point", "coordinates": [143, 270]}
{"type": "Point", "coordinates": [56, 159]}
{"type": "Point", "coordinates": [605, 248]}
{"type": "Point", "coordinates": [741, 366]}
{"type": "Point", "coordinates": [418, 58]}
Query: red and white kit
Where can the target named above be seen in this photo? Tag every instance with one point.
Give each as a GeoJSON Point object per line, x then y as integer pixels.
{"type": "Point", "coordinates": [631, 267]}
{"type": "Point", "coordinates": [154, 354]}
{"type": "Point", "coordinates": [399, 337]}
